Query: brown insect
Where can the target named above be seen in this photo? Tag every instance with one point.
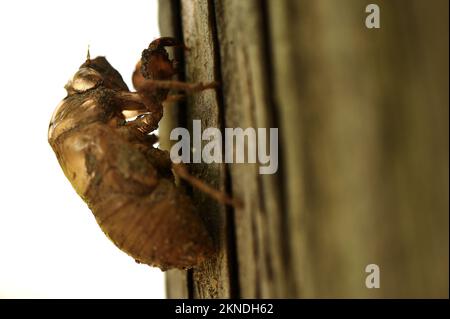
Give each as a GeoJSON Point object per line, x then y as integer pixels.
{"type": "Point", "coordinates": [126, 182]}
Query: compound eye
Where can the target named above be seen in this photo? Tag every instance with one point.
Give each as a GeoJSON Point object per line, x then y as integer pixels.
{"type": "Point", "coordinates": [85, 79]}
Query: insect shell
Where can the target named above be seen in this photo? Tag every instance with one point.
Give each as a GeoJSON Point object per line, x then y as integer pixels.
{"type": "Point", "coordinates": [126, 182]}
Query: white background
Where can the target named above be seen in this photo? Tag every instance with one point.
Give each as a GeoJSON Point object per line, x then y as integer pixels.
{"type": "Point", "coordinates": [50, 244]}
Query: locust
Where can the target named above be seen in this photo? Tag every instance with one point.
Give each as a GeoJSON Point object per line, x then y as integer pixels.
{"type": "Point", "coordinates": [111, 161]}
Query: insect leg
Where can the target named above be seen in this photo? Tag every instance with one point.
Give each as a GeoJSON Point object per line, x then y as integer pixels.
{"type": "Point", "coordinates": [148, 114]}
{"type": "Point", "coordinates": [151, 85]}
{"type": "Point", "coordinates": [181, 171]}
{"type": "Point", "coordinates": [166, 42]}
{"type": "Point", "coordinates": [130, 101]}
{"type": "Point", "coordinates": [145, 123]}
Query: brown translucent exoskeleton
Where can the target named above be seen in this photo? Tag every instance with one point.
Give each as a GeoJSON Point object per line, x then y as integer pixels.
{"type": "Point", "coordinates": [112, 164]}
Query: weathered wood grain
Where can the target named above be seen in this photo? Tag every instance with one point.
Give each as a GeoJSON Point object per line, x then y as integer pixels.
{"type": "Point", "coordinates": [264, 267]}
{"type": "Point", "coordinates": [212, 279]}
{"type": "Point", "coordinates": [364, 118]}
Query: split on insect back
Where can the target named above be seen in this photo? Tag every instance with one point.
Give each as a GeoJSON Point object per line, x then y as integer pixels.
{"type": "Point", "coordinates": [111, 162]}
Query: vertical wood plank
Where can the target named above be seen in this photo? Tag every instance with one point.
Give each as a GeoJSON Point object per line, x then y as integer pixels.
{"type": "Point", "coordinates": [367, 178]}
{"type": "Point", "coordinates": [264, 267]}
{"type": "Point", "coordinates": [210, 280]}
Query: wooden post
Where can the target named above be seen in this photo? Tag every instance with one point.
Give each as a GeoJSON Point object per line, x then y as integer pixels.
{"type": "Point", "coordinates": [363, 145]}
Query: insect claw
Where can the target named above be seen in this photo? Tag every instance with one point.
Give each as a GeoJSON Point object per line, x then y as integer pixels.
{"type": "Point", "coordinates": [212, 85]}
{"type": "Point", "coordinates": [184, 47]}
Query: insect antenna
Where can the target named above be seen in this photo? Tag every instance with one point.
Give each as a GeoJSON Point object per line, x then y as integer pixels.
{"type": "Point", "coordinates": [88, 55]}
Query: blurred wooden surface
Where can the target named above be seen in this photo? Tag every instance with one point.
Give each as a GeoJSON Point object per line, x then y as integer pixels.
{"type": "Point", "coordinates": [363, 122]}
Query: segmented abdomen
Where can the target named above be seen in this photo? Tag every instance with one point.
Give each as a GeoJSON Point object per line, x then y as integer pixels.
{"type": "Point", "coordinates": [143, 213]}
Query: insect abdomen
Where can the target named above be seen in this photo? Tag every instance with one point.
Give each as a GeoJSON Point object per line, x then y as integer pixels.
{"type": "Point", "coordinates": [160, 229]}
{"type": "Point", "coordinates": [144, 214]}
